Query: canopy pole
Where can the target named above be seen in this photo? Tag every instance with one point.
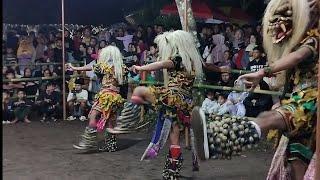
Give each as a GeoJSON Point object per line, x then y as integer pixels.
{"type": "Point", "coordinates": [186, 15]}
{"type": "Point", "coordinates": [63, 64]}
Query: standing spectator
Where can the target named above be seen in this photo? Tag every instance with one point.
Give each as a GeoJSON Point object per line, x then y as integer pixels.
{"type": "Point", "coordinates": [218, 49]}
{"type": "Point", "coordinates": [229, 33]}
{"type": "Point", "coordinates": [86, 35]}
{"type": "Point", "coordinates": [40, 49]}
{"type": "Point", "coordinates": [68, 45]}
{"type": "Point", "coordinates": [7, 110]}
{"type": "Point", "coordinates": [77, 101]}
{"type": "Point", "coordinates": [57, 51]}
{"type": "Point", "coordinates": [77, 40]}
{"type": "Point", "coordinates": [150, 36]}
{"type": "Point", "coordinates": [126, 39]}
{"type": "Point", "coordinates": [26, 54]}
{"type": "Point", "coordinates": [258, 61]}
{"type": "Point", "coordinates": [238, 39]}
{"type": "Point", "coordinates": [48, 102]}
{"type": "Point", "coordinates": [21, 108]}
{"type": "Point", "coordinates": [12, 40]}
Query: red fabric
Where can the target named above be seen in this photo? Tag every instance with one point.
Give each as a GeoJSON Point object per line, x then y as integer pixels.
{"type": "Point", "coordinates": [175, 151]}
{"type": "Point", "coordinates": [184, 119]}
{"type": "Point", "coordinates": [200, 10]}
{"type": "Point", "coordinates": [239, 58]}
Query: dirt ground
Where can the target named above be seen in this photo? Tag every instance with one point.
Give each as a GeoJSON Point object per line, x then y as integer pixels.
{"type": "Point", "coordinates": [39, 151]}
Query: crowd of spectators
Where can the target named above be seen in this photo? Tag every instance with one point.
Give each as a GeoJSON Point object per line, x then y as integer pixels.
{"type": "Point", "coordinates": [238, 47]}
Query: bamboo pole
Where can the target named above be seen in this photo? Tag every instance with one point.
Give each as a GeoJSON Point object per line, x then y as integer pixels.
{"type": "Point", "coordinates": [63, 62]}
{"type": "Point", "coordinates": [225, 88]}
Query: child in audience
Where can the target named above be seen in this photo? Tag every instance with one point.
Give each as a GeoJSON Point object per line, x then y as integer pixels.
{"type": "Point", "coordinates": [21, 108]}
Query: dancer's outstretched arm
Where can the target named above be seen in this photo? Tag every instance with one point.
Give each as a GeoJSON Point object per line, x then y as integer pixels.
{"type": "Point", "coordinates": [284, 63]}
{"type": "Point", "coordinates": [167, 64]}
{"type": "Point", "coordinates": [87, 67]}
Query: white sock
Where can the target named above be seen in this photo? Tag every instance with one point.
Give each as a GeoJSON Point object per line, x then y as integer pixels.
{"type": "Point", "coordinates": [257, 128]}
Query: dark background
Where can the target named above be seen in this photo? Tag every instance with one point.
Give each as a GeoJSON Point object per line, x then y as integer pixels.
{"type": "Point", "coordinates": [100, 11]}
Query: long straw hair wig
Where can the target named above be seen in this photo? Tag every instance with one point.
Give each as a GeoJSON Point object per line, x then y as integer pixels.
{"type": "Point", "coordinates": [111, 55]}
{"type": "Point", "coordinates": [180, 43]}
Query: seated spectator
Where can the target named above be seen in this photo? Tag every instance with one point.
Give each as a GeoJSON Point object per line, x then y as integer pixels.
{"type": "Point", "coordinates": [7, 110]}
{"type": "Point", "coordinates": [252, 44]}
{"type": "Point", "coordinates": [48, 102]}
{"type": "Point", "coordinates": [227, 60]}
{"type": "Point", "coordinates": [235, 102]}
{"type": "Point", "coordinates": [21, 108]}
{"type": "Point", "coordinates": [10, 55]}
{"type": "Point", "coordinates": [258, 61]}
{"type": "Point", "coordinates": [31, 87]}
{"type": "Point", "coordinates": [256, 103]}
{"type": "Point", "coordinates": [11, 87]}
{"type": "Point", "coordinates": [77, 101]}
{"type": "Point", "coordinates": [226, 80]}
{"type": "Point", "coordinates": [46, 73]}
{"type": "Point", "coordinates": [209, 104]}
{"type": "Point", "coordinates": [130, 56]}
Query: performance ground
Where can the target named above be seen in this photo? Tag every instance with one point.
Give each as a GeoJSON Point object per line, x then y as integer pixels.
{"type": "Point", "coordinates": [44, 152]}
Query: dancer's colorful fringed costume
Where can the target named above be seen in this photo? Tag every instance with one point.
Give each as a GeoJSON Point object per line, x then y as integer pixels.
{"type": "Point", "coordinates": [108, 101]}
{"type": "Point", "coordinates": [291, 41]}
{"type": "Point", "coordinates": [173, 102]}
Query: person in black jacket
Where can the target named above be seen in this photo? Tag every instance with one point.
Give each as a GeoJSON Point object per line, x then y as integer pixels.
{"type": "Point", "coordinates": [258, 61]}
{"type": "Point", "coordinates": [49, 101]}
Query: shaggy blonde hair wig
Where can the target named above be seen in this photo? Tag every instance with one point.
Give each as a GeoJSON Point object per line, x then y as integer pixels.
{"type": "Point", "coordinates": [111, 55]}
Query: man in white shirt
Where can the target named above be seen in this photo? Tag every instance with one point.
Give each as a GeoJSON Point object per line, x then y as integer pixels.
{"type": "Point", "coordinates": [77, 101]}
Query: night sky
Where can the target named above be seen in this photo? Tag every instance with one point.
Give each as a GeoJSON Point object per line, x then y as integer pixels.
{"type": "Point", "coordinates": [76, 11]}
{"type": "Point", "coordinates": [91, 11]}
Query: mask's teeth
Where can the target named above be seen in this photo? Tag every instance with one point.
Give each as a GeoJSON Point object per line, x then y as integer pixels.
{"type": "Point", "coordinates": [283, 27]}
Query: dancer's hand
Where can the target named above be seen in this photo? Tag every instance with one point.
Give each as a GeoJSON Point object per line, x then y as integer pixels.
{"type": "Point", "coordinates": [69, 67]}
{"type": "Point", "coordinates": [252, 79]}
{"type": "Point", "coordinates": [136, 69]}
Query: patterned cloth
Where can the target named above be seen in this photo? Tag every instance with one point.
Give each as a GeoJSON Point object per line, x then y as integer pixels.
{"type": "Point", "coordinates": [176, 100]}
{"type": "Point", "coordinates": [299, 113]}
{"type": "Point", "coordinates": [107, 100]}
